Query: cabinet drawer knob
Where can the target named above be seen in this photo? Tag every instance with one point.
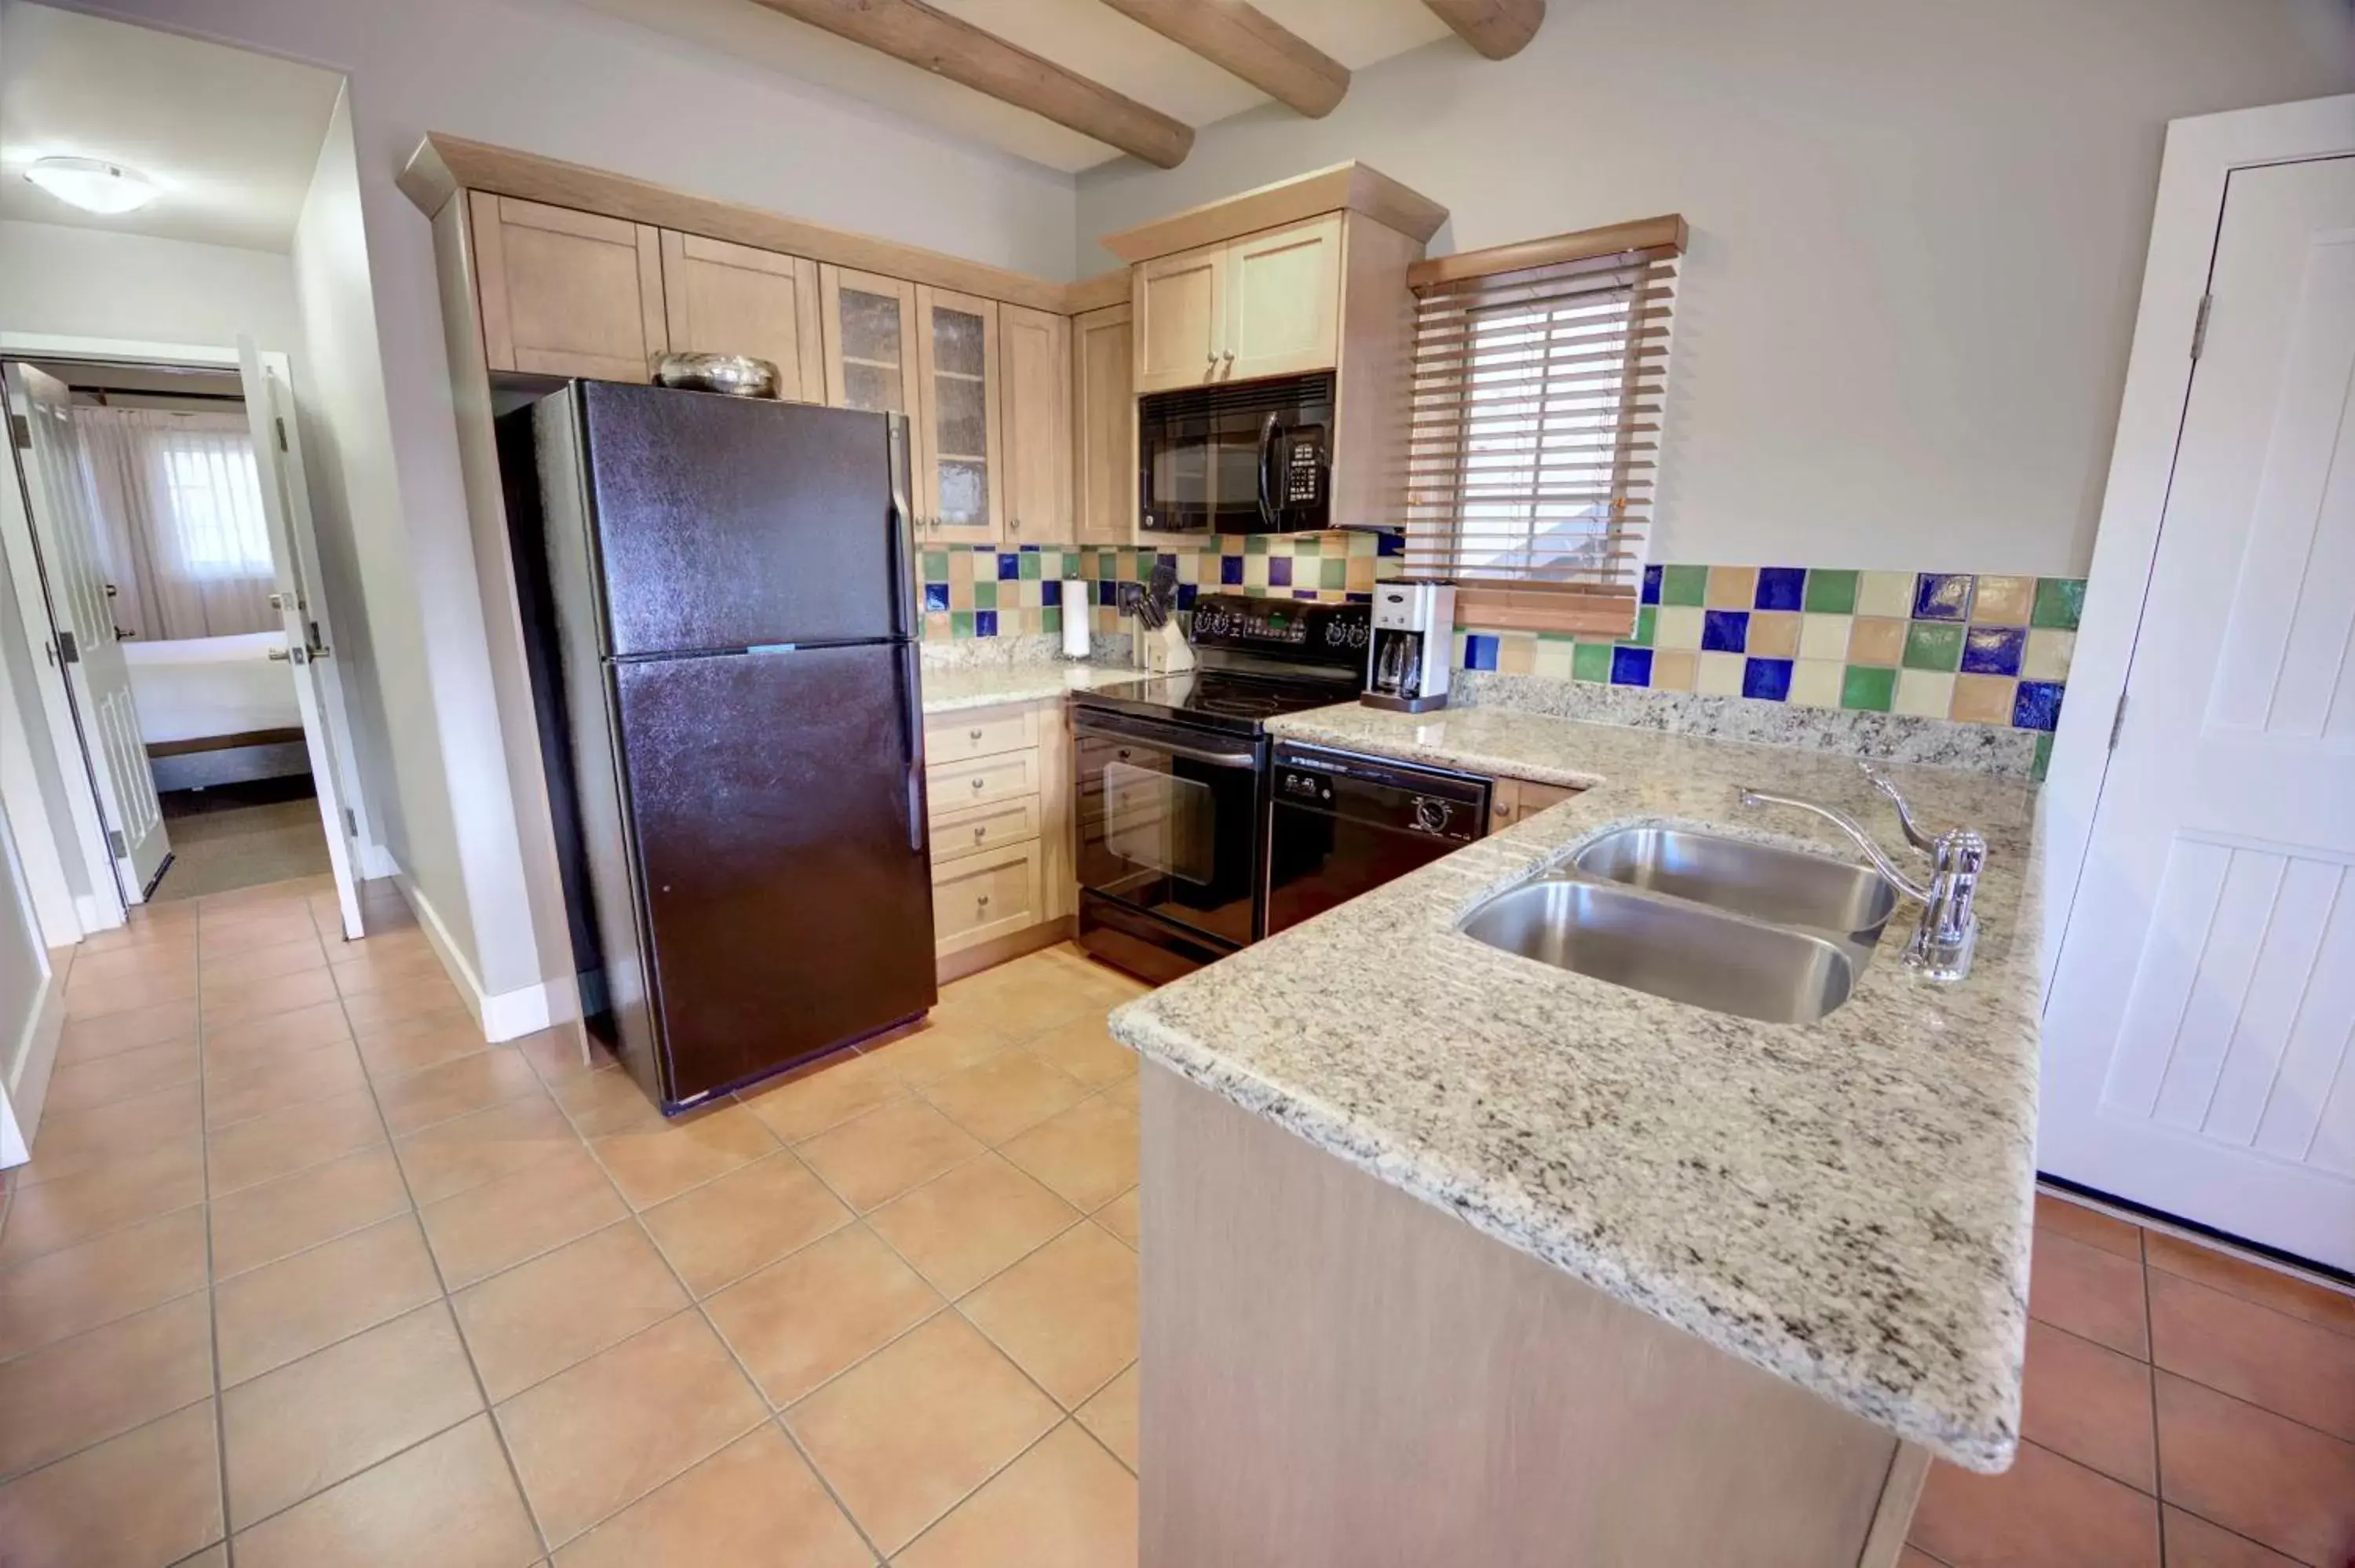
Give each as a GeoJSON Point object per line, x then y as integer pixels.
{"type": "Point", "coordinates": [979, 833]}
{"type": "Point", "coordinates": [983, 901]}
{"type": "Point", "coordinates": [973, 734]}
{"type": "Point", "coordinates": [977, 783]}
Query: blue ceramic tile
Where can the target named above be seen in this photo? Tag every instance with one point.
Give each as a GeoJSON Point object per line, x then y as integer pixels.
{"type": "Point", "coordinates": [1165, 559]}
{"type": "Point", "coordinates": [1308, 594]}
{"type": "Point", "coordinates": [1993, 650]}
{"type": "Point", "coordinates": [1358, 599]}
{"type": "Point", "coordinates": [1769, 680]}
{"type": "Point", "coordinates": [1781, 588]}
{"type": "Point", "coordinates": [1231, 571]}
{"type": "Point", "coordinates": [1050, 593]}
{"type": "Point", "coordinates": [1009, 565]}
{"type": "Point", "coordinates": [1651, 585]}
{"type": "Point", "coordinates": [1942, 595]}
{"type": "Point", "coordinates": [936, 596]}
{"type": "Point", "coordinates": [1107, 592]}
{"type": "Point", "coordinates": [1279, 571]}
{"type": "Point", "coordinates": [1390, 544]}
{"type": "Point", "coordinates": [2037, 705]}
{"type": "Point", "coordinates": [1186, 592]}
{"type": "Point", "coordinates": [1631, 666]}
{"type": "Point", "coordinates": [985, 623]}
{"type": "Point", "coordinates": [1479, 653]}
{"type": "Point", "coordinates": [1725, 631]}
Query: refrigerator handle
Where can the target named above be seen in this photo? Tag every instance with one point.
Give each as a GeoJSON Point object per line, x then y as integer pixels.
{"type": "Point", "coordinates": [903, 546]}
{"type": "Point", "coordinates": [912, 694]}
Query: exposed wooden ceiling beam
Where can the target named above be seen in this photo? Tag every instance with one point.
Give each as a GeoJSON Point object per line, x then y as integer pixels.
{"type": "Point", "coordinates": [1498, 29]}
{"type": "Point", "coordinates": [942, 43]}
{"type": "Point", "coordinates": [1244, 40]}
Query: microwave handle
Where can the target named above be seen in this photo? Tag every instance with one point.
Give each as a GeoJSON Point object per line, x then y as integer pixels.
{"type": "Point", "coordinates": [1267, 515]}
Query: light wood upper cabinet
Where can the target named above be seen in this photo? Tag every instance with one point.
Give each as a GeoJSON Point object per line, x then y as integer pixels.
{"type": "Point", "coordinates": [1265, 304]}
{"type": "Point", "coordinates": [960, 478]}
{"type": "Point", "coordinates": [565, 292]}
{"type": "Point", "coordinates": [720, 298]}
{"type": "Point", "coordinates": [1035, 350]}
{"type": "Point", "coordinates": [869, 324]}
{"type": "Point", "coordinates": [1103, 427]}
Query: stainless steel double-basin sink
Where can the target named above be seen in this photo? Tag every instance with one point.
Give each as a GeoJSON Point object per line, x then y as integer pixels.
{"type": "Point", "coordinates": [1721, 923]}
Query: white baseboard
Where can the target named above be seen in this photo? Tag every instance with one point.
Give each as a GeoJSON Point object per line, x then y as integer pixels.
{"type": "Point", "coordinates": [29, 1067]}
{"type": "Point", "coordinates": [502, 1016]}
{"type": "Point", "coordinates": [376, 863]}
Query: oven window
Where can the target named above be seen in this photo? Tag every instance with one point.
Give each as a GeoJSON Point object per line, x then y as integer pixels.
{"type": "Point", "coordinates": [1155, 821]}
{"type": "Point", "coordinates": [1168, 834]}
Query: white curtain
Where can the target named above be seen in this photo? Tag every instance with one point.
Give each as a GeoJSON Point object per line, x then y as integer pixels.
{"type": "Point", "coordinates": [181, 528]}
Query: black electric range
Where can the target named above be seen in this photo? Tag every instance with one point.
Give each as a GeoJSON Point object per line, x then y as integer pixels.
{"type": "Point", "coordinates": [1171, 776]}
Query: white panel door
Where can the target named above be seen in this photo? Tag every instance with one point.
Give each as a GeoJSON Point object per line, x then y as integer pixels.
{"type": "Point", "coordinates": [65, 525]}
{"type": "Point", "coordinates": [2198, 1042]}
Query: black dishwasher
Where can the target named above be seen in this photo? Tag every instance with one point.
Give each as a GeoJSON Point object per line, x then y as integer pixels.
{"type": "Point", "coordinates": [1340, 824]}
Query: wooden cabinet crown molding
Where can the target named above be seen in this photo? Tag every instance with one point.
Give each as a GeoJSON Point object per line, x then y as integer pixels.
{"type": "Point", "coordinates": [1344, 187]}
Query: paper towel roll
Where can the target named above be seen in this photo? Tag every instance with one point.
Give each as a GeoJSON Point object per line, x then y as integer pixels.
{"type": "Point", "coordinates": [1075, 619]}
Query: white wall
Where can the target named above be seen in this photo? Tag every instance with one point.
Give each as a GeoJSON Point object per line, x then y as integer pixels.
{"type": "Point", "coordinates": [1917, 234]}
{"type": "Point", "coordinates": [98, 283]}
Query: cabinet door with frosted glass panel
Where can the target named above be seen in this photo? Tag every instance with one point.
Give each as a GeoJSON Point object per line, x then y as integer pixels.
{"type": "Point", "coordinates": [871, 341]}
{"type": "Point", "coordinates": [958, 487]}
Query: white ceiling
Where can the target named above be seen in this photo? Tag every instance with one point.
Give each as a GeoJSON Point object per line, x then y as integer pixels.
{"type": "Point", "coordinates": [1082, 36]}
{"type": "Point", "coordinates": [230, 137]}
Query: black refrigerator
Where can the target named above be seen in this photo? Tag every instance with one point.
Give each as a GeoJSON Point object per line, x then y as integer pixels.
{"type": "Point", "coordinates": [718, 604]}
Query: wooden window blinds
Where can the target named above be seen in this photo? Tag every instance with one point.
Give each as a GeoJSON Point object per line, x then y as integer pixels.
{"type": "Point", "coordinates": [1539, 372]}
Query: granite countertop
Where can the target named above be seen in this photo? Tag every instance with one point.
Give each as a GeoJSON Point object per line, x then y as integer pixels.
{"type": "Point", "coordinates": [1846, 1203]}
{"type": "Point", "coordinates": [948, 689]}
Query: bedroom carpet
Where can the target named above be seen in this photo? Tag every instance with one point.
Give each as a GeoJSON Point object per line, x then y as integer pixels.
{"type": "Point", "coordinates": [233, 836]}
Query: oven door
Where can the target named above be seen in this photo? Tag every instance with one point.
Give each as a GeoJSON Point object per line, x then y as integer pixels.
{"type": "Point", "coordinates": [1168, 821]}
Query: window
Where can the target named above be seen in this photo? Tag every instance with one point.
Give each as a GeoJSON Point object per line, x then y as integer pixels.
{"type": "Point", "coordinates": [1539, 371]}
{"type": "Point", "coordinates": [213, 501]}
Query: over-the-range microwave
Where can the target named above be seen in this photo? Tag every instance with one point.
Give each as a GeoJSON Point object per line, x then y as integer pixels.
{"type": "Point", "coordinates": [1251, 458]}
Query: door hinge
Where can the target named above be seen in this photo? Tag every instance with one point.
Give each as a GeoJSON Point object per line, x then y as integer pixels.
{"type": "Point", "coordinates": [2200, 325]}
{"type": "Point", "coordinates": [351, 823]}
{"type": "Point", "coordinates": [68, 651]}
{"type": "Point", "coordinates": [115, 844]}
{"type": "Point", "coordinates": [2118, 721]}
{"type": "Point", "coordinates": [279, 421]}
{"type": "Point", "coordinates": [20, 430]}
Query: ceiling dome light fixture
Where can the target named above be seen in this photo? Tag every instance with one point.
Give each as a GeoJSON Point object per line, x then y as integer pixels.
{"type": "Point", "coordinates": [92, 184]}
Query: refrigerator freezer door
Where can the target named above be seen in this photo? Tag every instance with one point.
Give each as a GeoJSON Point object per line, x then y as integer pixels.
{"type": "Point", "coordinates": [725, 523]}
{"type": "Point", "coordinates": [781, 856]}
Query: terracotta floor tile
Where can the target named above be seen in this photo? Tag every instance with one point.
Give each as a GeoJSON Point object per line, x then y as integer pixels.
{"type": "Point", "coordinates": [247, 964]}
{"type": "Point", "coordinates": [262, 1043]}
{"type": "Point", "coordinates": [2094, 1295]}
{"type": "Point", "coordinates": [80, 1287]}
{"type": "Point", "coordinates": [505, 1222]}
{"type": "Point", "coordinates": [599, 1435]}
{"type": "Point", "coordinates": [406, 965]}
{"type": "Point", "coordinates": [652, 1166]}
{"type": "Point", "coordinates": [77, 1392]}
{"type": "Point", "coordinates": [229, 1001]}
{"type": "Point", "coordinates": [284, 1141]}
{"type": "Point", "coordinates": [2079, 1224]}
{"type": "Point", "coordinates": [753, 1504]}
{"type": "Point", "coordinates": [940, 1045]}
{"type": "Point", "coordinates": [413, 1044]}
{"type": "Point", "coordinates": [720, 1232]}
{"type": "Point", "coordinates": [800, 1321]}
{"type": "Point", "coordinates": [1112, 1416]}
{"type": "Point", "coordinates": [449, 1502]}
{"type": "Point", "coordinates": [459, 1155]}
{"type": "Point", "coordinates": [2043, 1512]}
{"type": "Point", "coordinates": [1064, 1504]}
{"type": "Point", "coordinates": [457, 1087]}
{"type": "Point", "coordinates": [371, 1008]}
{"type": "Point", "coordinates": [261, 1224]}
{"type": "Point", "coordinates": [882, 1154]}
{"type": "Point", "coordinates": [607, 1102]}
{"type": "Point", "coordinates": [537, 1319]}
{"type": "Point", "coordinates": [556, 1054]}
{"type": "Point", "coordinates": [2301, 1298]}
{"type": "Point", "coordinates": [330, 1416]}
{"type": "Point", "coordinates": [68, 1143]}
{"type": "Point", "coordinates": [1086, 1051]}
{"type": "Point", "coordinates": [74, 1209]}
{"type": "Point", "coordinates": [101, 972]}
{"type": "Point", "coordinates": [151, 1496]}
{"type": "Point", "coordinates": [86, 1039]}
{"type": "Point", "coordinates": [808, 1100]}
{"type": "Point", "coordinates": [2289, 1367]}
{"type": "Point", "coordinates": [1914, 1557]}
{"type": "Point", "coordinates": [296, 1078]}
{"type": "Point", "coordinates": [84, 1081]}
{"type": "Point", "coordinates": [96, 999]}
{"type": "Point", "coordinates": [1088, 1154]}
{"type": "Point", "coordinates": [2089, 1404]}
{"type": "Point", "coordinates": [221, 935]}
{"type": "Point", "coordinates": [906, 1435]}
{"type": "Point", "coordinates": [965, 1227]}
{"type": "Point", "coordinates": [1067, 1314]}
{"type": "Point", "coordinates": [2193, 1542]}
{"type": "Point", "coordinates": [1001, 1097]}
{"type": "Point", "coordinates": [2256, 1473]}
{"type": "Point", "coordinates": [284, 1310]}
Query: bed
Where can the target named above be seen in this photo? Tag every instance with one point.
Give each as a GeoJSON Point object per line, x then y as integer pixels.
{"type": "Point", "coordinates": [216, 710]}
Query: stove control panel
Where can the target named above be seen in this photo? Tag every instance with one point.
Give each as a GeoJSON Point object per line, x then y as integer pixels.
{"type": "Point", "coordinates": [1298, 630]}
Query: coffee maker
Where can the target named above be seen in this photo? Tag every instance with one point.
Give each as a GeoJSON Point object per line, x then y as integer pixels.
{"type": "Point", "coordinates": [1415, 643]}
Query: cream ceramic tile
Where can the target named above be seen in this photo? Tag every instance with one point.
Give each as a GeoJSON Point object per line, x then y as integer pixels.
{"type": "Point", "coordinates": [1516, 652]}
{"type": "Point", "coordinates": [1674, 670]}
{"type": "Point", "coordinates": [2004, 601]}
{"type": "Point", "coordinates": [1677, 625]}
{"type": "Point", "coordinates": [1925, 694]}
{"type": "Point", "coordinates": [1885, 593]}
{"type": "Point", "coordinates": [1825, 636]}
{"type": "Point", "coordinates": [1876, 639]}
{"type": "Point", "coordinates": [1816, 683]}
{"type": "Point", "coordinates": [1732, 587]}
{"type": "Point", "coordinates": [2048, 655]}
{"type": "Point", "coordinates": [1720, 675]}
{"type": "Point", "coordinates": [1983, 699]}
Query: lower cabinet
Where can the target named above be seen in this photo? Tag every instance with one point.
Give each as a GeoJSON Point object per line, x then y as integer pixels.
{"type": "Point", "coordinates": [1512, 800]}
{"type": "Point", "coordinates": [989, 894]}
{"type": "Point", "coordinates": [1000, 786]}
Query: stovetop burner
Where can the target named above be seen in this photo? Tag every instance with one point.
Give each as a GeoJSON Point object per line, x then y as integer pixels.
{"type": "Point", "coordinates": [1261, 658]}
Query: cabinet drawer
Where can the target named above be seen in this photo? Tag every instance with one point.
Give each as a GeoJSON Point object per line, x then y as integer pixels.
{"type": "Point", "coordinates": [981, 782]}
{"type": "Point", "coordinates": [978, 828]}
{"type": "Point", "coordinates": [985, 733]}
{"type": "Point", "coordinates": [980, 896]}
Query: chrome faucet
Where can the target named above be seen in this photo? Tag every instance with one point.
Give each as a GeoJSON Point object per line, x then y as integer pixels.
{"type": "Point", "coordinates": [1948, 931]}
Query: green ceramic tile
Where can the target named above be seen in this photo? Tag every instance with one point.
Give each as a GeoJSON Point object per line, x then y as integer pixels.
{"type": "Point", "coordinates": [960, 623]}
{"type": "Point", "coordinates": [1031, 566]}
{"type": "Point", "coordinates": [1107, 566]}
{"type": "Point", "coordinates": [1684, 584]}
{"type": "Point", "coordinates": [1050, 620]}
{"type": "Point", "coordinates": [985, 596]}
{"type": "Point", "coordinates": [1331, 573]}
{"type": "Point", "coordinates": [1591, 661]}
{"type": "Point", "coordinates": [936, 565]}
{"type": "Point", "coordinates": [2043, 756]}
{"type": "Point", "coordinates": [1307, 544]}
{"type": "Point", "coordinates": [1933, 645]}
{"type": "Point", "coordinates": [1255, 544]}
{"type": "Point", "coordinates": [2060, 603]}
{"type": "Point", "coordinates": [1868, 686]}
{"type": "Point", "coordinates": [1646, 624]}
{"type": "Point", "coordinates": [1832, 592]}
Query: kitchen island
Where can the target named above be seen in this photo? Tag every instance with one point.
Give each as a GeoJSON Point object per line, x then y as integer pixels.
{"type": "Point", "coordinates": [1455, 1256]}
